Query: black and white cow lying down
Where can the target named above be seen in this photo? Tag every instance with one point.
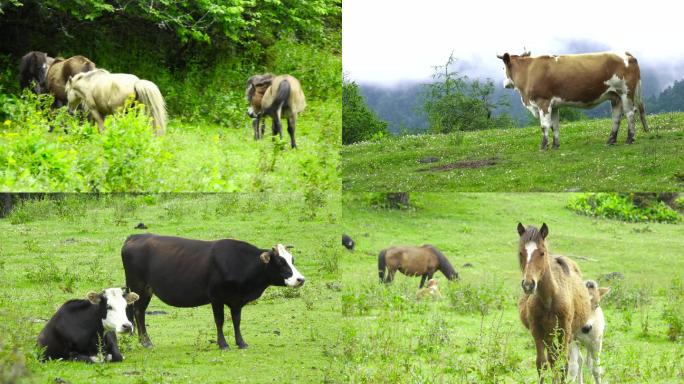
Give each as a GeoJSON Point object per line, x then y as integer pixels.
{"type": "Point", "coordinates": [81, 329]}
{"type": "Point", "coordinates": [189, 273]}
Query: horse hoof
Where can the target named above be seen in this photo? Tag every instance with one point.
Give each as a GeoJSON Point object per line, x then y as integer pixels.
{"type": "Point", "coordinates": [556, 146]}
{"type": "Point", "coordinates": [147, 344]}
{"type": "Point", "coordinates": [243, 346]}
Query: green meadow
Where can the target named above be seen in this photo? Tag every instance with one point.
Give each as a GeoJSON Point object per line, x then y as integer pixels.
{"type": "Point", "coordinates": [55, 250]}
{"type": "Point", "coordinates": [509, 160]}
{"type": "Point", "coordinates": [473, 333]}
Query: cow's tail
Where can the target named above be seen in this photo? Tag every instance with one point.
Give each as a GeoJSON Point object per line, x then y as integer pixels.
{"type": "Point", "coordinates": [147, 93]}
{"type": "Point", "coordinates": [639, 99]}
{"type": "Point", "coordinates": [381, 265]}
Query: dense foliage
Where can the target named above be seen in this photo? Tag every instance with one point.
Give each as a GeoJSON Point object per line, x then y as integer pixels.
{"type": "Point", "coordinates": [359, 123]}
{"type": "Point", "coordinates": [670, 99]}
{"type": "Point", "coordinates": [622, 207]}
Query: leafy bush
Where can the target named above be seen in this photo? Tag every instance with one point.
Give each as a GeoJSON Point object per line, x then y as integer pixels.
{"type": "Point", "coordinates": [621, 207]}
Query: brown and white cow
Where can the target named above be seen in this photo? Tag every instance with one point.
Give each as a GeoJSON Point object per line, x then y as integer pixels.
{"type": "Point", "coordinates": [546, 83]}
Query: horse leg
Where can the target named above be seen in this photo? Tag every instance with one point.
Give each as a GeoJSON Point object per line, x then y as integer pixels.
{"type": "Point", "coordinates": [616, 106]}
{"type": "Point", "coordinates": [575, 362]}
{"type": "Point", "coordinates": [255, 128]}
{"type": "Point", "coordinates": [422, 280]}
{"type": "Point", "coordinates": [291, 130]}
{"type": "Point", "coordinates": [98, 118]}
{"type": "Point", "coordinates": [541, 355]}
{"type": "Point", "coordinates": [390, 275]}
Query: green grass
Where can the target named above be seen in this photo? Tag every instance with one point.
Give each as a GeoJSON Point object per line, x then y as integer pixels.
{"type": "Point", "coordinates": [583, 162]}
{"type": "Point", "coordinates": [473, 334]}
{"type": "Point", "coordinates": [197, 157]}
{"type": "Point", "coordinates": [54, 250]}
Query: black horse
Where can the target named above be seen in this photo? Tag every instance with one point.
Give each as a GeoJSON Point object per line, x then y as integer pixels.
{"type": "Point", "coordinates": [33, 68]}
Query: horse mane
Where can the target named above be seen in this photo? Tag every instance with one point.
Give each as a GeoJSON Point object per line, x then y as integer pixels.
{"type": "Point", "coordinates": [444, 264]}
{"type": "Point", "coordinates": [89, 74]}
{"type": "Point", "coordinates": [531, 234]}
{"type": "Point", "coordinates": [564, 265]}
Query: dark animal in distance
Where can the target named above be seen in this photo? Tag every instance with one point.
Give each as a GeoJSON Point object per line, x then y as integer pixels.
{"type": "Point", "coordinates": [61, 71]}
{"type": "Point", "coordinates": [141, 226]}
{"type": "Point", "coordinates": [34, 68]}
{"type": "Point", "coordinates": [546, 83]}
{"type": "Point", "coordinates": [348, 243]}
{"type": "Point", "coordinates": [275, 96]}
{"type": "Point", "coordinates": [414, 261]}
{"type": "Point", "coordinates": [555, 303]}
{"type": "Point", "coordinates": [189, 273]}
{"type": "Point", "coordinates": [80, 326]}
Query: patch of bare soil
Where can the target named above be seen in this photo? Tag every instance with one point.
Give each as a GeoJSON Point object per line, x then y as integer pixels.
{"type": "Point", "coordinates": [461, 164]}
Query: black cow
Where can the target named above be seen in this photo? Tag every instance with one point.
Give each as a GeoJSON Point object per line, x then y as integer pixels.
{"type": "Point", "coordinates": [82, 328]}
{"type": "Point", "coordinates": [348, 242]}
{"type": "Point", "coordinates": [189, 273]}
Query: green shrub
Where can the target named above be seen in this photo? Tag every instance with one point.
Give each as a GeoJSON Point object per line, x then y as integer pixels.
{"type": "Point", "coordinates": [359, 123]}
{"type": "Point", "coordinates": [621, 207]}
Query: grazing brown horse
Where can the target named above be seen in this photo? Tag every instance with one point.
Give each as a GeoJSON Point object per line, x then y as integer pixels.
{"type": "Point", "coordinates": [59, 73]}
{"type": "Point", "coordinates": [414, 261]}
{"type": "Point", "coordinates": [275, 96]}
{"type": "Point", "coordinates": [556, 303]}
{"type": "Point", "coordinates": [34, 67]}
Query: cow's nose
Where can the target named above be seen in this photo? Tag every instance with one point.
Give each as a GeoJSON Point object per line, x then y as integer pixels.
{"type": "Point", "coordinates": [128, 327]}
{"type": "Point", "coordinates": [300, 281]}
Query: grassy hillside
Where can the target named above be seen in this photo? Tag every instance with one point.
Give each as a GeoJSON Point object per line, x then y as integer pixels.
{"type": "Point", "coordinates": [510, 160]}
{"type": "Point", "coordinates": [52, 251]}
{"type": "Point", "coordinates": [473, 334]}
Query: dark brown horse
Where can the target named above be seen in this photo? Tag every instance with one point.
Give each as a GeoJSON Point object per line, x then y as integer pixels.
{"type": "Point", "coordinates": [33, 68]}
{"type": "Point", "coordinates": [414, 261]}
{"type": "Point", "coordinates": [59, 73]}
{"type": "Point", "coordinates": [555, 304]}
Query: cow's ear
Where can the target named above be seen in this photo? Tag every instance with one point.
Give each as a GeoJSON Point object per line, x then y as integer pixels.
{"type": "Point", "coordinates": [603, 291]}
{"type": "Point", "coordinates": [265, 257]}
{"type": "Point", "coordinates": [131, 297]}
{"type": "Point", "coordinates": [544, 231]}
{"type": "Point", "coordinates": [521, 229]}
{"type": "Point", "coordinates": [506, 58]}
{"type": "Point", "coordinates": [94, 297]}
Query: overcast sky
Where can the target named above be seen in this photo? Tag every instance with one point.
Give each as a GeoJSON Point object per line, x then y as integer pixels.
{"type": "Point", "coordinates": [386, 41]}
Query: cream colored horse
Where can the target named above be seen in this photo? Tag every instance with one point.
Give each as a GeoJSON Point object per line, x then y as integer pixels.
{"type": "Point", "coordinates": [103, 93]}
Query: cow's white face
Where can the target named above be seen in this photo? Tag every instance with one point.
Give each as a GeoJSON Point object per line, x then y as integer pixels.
{"type": "Point", "coordinates": [115, 302]}
{"type": "Point", "coordinates": [297, 279]}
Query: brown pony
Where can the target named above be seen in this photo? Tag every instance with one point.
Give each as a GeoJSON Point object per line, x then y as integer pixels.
{"type": "Point", "coordinates": [555, 301]}
{"type": "Point", "coordinates": [414, 261]}
{"type": "Point", "coordinates": [59, 73]}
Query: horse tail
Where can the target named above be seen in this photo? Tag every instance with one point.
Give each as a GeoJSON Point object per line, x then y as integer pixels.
{"type": "Point", "coordinates": [148, 93]}
{"type": "Point", "coordinates": [281, 97]}
{"type": "Point", "coordinates": [444, 264]}
{"type": "Point", "coordinates": [381, 265]}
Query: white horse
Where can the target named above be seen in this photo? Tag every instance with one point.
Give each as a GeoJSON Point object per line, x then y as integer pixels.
{"type": "Point", "coordinates": [103, 93]}
{"type": "Point", "coordinates": [591, 337]}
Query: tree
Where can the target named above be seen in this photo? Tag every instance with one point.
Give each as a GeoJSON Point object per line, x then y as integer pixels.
{"type": "Point", "coordinates": [359, 123]}
{"type": "Point", "coordinates": [455, 103]}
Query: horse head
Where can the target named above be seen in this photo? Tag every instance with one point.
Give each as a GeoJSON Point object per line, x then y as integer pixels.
{"type": "Point", "coordinates": [533, 255]}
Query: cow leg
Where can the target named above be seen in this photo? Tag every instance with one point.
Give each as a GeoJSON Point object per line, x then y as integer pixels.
{"type": "Point", "coordinates": [422, 280]}
{"type": "Point", "coordinates": [140, 308]}
{"type": "Point", "coordinates": [545, 121]}
{"type": "Point", "coordinates": [291, 130]}
{"type": "Point", "coordinates": [616, 105]}
{"type": "Point", "coordinates": [555, 124]}
{"type": "Point", "coordinates": [218, 319]}
{"type": "Point", "coordinates": [630, 111]}
{"type": "Point", "coordinates": [111, 348]}
{"type": "Point", "coordinates": [235, 313]}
